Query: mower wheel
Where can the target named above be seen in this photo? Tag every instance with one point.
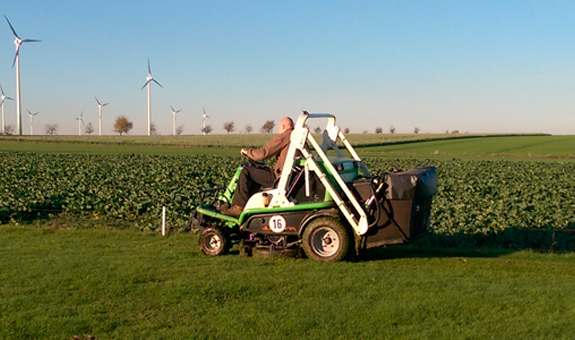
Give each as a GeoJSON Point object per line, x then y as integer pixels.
{"type": "Point", "coordinates": [327, 239]}
{"type": "Point", "coordinates": [214, 241]}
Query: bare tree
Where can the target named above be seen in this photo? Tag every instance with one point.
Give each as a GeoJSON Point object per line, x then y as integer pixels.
{"type": "Point", "coordinates": [9, 130]}
{"type": "Point", "coordinates": [248, 129]}
{"type": "Point", "coordinates": [122, 125]}
{"type": "Point", "coordinates": [346, 130]}
{"type": "Point", "coordinates": [153, 130]}
{"type": "Point", "coordinates": [89, 129]}
{"type": "Point", "coordinates": [378, 130]}
{"type": "Point", "coordinates": [268, 126]}
{"type": "Point", "coordinates": [416, 130]}
{"type": "Point", "coordinates": [207, 129]}
{"type": "Point", "coordinates": [392, 129]}
{"type": "Point", "coordinates": [364, 132]}
{"type": "Point", "coordinates": [51, 129]}
{"type": "Point", "coordinates": [180, 130]}
{"type": "Point", "coordinates": [229, 127]}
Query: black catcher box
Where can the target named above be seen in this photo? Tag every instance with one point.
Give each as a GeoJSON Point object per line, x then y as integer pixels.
{"type": "Point", "coordinates": [405, 211]}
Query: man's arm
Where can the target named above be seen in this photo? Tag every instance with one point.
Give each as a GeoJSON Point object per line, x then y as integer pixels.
{"type": "Point", "coordinates": [273, 148]}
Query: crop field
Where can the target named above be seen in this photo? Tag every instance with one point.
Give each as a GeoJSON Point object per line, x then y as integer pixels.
{"type": "Point", "coordinates": [479, 202]}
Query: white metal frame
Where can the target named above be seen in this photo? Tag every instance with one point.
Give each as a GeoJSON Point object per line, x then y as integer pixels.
{"type": "Point", "coordinates": [354, 214]}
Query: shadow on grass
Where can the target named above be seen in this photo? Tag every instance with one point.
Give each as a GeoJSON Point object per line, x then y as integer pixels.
{"type": "Point", "coordinates": [490, 244]}
{"type": "Point", "coordinates": [410, 251]}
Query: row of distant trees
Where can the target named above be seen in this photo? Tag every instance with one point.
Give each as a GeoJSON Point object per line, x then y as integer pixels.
{"type": "Point", "coordinates": [123, 125]}
{"type": "Point", "coordinates": [231, 127]}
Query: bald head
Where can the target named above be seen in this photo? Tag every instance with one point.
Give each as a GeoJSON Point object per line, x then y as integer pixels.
{"type": "Point", "coordinates": [285, 124]}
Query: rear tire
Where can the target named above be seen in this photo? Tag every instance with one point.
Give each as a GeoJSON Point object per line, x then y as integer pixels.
{"type": "Point", "coordinates": [214, 241]}
{"type": "Point", "coordinates": [327, 239]}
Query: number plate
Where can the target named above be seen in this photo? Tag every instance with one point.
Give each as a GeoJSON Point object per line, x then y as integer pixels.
{"type": "Point", "coordinates": [277, 223]}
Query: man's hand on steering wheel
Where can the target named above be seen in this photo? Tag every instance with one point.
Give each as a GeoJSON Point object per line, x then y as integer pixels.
{"type": "Point", "coordinates": [244, 152]}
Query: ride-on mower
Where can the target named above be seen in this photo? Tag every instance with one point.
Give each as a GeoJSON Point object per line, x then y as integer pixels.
{"type": "Point", "coordinates": [324, 202]}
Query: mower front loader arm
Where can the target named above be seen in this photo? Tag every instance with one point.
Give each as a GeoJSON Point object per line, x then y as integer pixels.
{"type": "Point", "coordinates": [359, 226]}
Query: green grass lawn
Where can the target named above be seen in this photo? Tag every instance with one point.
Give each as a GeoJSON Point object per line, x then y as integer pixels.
{"type": "Point", "coordinates": [167, 145]}
{"type": "Point", "coordinates": [77, 148]}
{"type": "Point", "coordinates": [368, 145]}
{"type": "Point", "coordinates": [504, 146]}
{"type": "Point", "coordinates": [58, 284]}
{"type": "Point", "coordinates": [232, 140]}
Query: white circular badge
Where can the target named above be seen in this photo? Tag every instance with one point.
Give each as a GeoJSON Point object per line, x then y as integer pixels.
{"type": "Point", "coordinates": [277, 223]}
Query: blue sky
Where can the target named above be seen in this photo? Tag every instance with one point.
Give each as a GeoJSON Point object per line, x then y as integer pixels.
{"type": "Point", "coordinates": [472, 66]}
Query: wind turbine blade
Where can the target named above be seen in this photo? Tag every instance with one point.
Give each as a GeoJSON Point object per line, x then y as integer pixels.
{"type": "Point", "coordinates": [16, 56]}
{"type": "Point", "coordinates": [97, 101]}
{"type": "Point", "coordinates": [9, 98]}
{"type": "Point", "coordinates": [146, 84]}
{"type": "Point", "coordinates": [31, 40]}
{"type": "Point", "coordinates": [1, 88]}
{"type": "Point", "coordinates": [105, 104]}
{"type": "Point", "coordinates": [12, 28]}
{"type": "Point", "coordinates": [149, 68]}
{"type": "Point", "coordinates": [172, 108]}
{"type": "Point", "coordinates": [155, 81]}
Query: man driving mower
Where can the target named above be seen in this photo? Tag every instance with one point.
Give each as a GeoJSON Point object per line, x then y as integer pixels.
{"type": "Point", "coordinates": [254, 176]}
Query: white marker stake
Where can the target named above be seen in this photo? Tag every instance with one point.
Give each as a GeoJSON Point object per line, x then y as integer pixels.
{"type": "Point", "coordinates": [163, 221]}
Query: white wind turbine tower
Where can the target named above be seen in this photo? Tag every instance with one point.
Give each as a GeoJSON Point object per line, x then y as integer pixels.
{"type": "Point", "coordinates": [32, 115]}
{"type": "Point", "coordinates": [150, 79]}
{"type": "Point", "coordinates": [3, 97]}
{"type": "Point", "coordinates": [80, 122]}
{"type": "Point", "coordinates": [174, 112]}
{"type": "Point", "coordinates": [18, 42]}
{"type": "Point", "coordinates": [204, 121]}
{"type": "Point", "coordinates": [100, 106]}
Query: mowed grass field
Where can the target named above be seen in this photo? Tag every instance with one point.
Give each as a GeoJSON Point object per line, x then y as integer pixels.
{"type": "Point", "coordinates": [173, 145]}
{"type": "Point", "coordinates": [497, 146]}
{"type": "Point", "coordinates": [369, 145]}
{"type": "Point", "coordinates": [113, 284]}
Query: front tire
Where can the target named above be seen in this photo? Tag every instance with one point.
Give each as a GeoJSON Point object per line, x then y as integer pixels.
{"type": "Point", "coordinates": [214, 241]}
{"type": "Point", "coordinates": [327, 239]}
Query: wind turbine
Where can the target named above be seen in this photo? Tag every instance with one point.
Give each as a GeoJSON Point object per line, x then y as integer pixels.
{"type": "Point", "coordinates": [80, 121]}
{"type": "Point", "coordinates": [204, 123]}
{"type": "Point", "coordinates": [32, 115]}
{"type": "Point", "coordinates": [174, 112]}
{"type": "Point", "coordinates": [149, 80]}
{"type": "Point", "coordinates": [3, 97]}
{"type": "Point", "coordinates": [18, 42]}
{"type": "Point", "coordinates": [100, 106]}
